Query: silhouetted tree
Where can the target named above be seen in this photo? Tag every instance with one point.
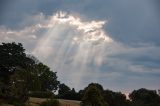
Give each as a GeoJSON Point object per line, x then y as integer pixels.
{"type": "Point", "coordinates": [18, 86]}
{"type": "Point", "coordinates": [20, 73]}
{"type": "Point", "coordinates": [114, 98]}
{"type": "Point", "coordinates": [12, 56]}
{"type": "Point", "coordinates": [98, 86]}
{"type": "Point", "coordinates": [63, 91]}
{"type": "Point", "coordinates": [43, 79]}
{"type": "Point", "coordinates": [73, 95]}
{"type": "Point", "coordinates": [81, 93]}
{"type": "Point", "coordinates": [93, 97]}
{"type": "Point", "coordinates": [144, 97]}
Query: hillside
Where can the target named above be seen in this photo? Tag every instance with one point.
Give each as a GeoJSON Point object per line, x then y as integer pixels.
{"type": "Point", "coordinates": [69, 102]}
{"type": "Point", "coordinates": [37, 101]}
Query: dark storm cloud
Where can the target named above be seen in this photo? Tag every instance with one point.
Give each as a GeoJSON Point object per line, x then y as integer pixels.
{"type": "Point", "coordinates": [14, 12]}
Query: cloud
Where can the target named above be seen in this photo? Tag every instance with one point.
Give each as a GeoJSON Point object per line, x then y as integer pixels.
{"type": "Point", "coordinates": [82, 51]}
{"type": "Point", "coordinates": [131, 22]}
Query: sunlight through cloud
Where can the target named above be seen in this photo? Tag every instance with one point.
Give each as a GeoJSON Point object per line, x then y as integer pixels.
{"type": "Point", "coordinates": [80, 49]}
{"type": "Point", "coordinates": [92, 31]}
{"type": "Point", "coordinates": [74, 43]}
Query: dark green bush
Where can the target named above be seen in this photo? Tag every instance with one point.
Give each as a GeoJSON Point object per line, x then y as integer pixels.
{"type": "Point", "coordinates": [41, 94]}
{"type": "Point", "coordinates": [51, 102]}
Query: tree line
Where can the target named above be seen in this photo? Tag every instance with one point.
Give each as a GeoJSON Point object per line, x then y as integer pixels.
{"type": "Point", "coordinates": [23, 76]}
{"type": "Point", "coordinates": [95, 95]}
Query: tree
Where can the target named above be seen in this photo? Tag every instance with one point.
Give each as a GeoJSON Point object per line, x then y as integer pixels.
{"type": "Point", "coordinates": [114, 98]}
{"type": "Point", "coordinates": [81, 93]}
{"type": "Point", "coordinates": [11, 56]}
{"type": "Point", "coordinates": [20, 73]}
{"type": "Point", "coordinates": [98, 86]}
{"type": "Point", "coordinates": [73, 95]}
{"type": "Point", "coordinates": [144, 97]}
{"type": "Point", "coordinates": [93, 97]}
{"type": "Point", "coordinates": [44, 78]}
{"type": "Point", "coordinates": [63, 91]}
{"type": "Point", "coordinates": [18, 86]}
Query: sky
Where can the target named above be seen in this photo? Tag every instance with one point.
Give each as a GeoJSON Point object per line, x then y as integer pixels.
{"type": "Point", "coordinates": [112, 42]}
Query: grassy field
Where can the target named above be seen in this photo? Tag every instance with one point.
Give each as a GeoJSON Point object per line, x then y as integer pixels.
{"type": "Point", "coordinates": [36, 101]}
{"type": "Point", "coordinates": [69, 103]}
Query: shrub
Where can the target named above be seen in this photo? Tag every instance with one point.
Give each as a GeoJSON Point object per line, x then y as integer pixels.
{"type": "Point", "coordinates": [51, 102]}
{"type": "Point", "coordinates": [41, 94]}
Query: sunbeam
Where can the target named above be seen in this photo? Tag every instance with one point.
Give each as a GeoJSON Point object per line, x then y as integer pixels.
{"type": "Point", "coordinates": [73, 41]}
{"type": "Point", "coordinates": [112, 43]}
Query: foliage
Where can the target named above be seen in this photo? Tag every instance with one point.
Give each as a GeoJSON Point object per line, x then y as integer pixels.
{"type": "Point", "coordinates": [93, 97]}
{"type": "Point", "coordinates": [50, 103]}
{"type": "Point", "coordinates": [63, 91]}
{"type": "Point", "coordinates": [114, 98]}
{"type": "Point", "coordinates": [41, 94]}
{"type": "Point", "coordinates": [46, 78]}
{"type": "Point", "coordinates": [43, 79]}
{"type": "Point", "coordinates": [144, 97]}
{"type": "Point", "coordinates": [12, 56]}
{"type": "Point", "coordinates": [18, 86]}
{"type": "Point", "coordinates": [81, 93]}
{"type": "Point", "coordinates": [98, 86]}
{"type": "Point", "coordinates": [20, 73]}
{"type": "Point", "coordinates": [73, 95]}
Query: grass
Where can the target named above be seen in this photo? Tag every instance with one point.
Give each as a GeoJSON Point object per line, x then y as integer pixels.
{"type": "Point", "coordinates": [69, 103]}
{"type": "Point", "coordinates": [36, 101]}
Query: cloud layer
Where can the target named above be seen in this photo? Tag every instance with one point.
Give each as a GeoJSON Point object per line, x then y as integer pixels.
{"type": "Point", "coordinates": [81, 51]}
